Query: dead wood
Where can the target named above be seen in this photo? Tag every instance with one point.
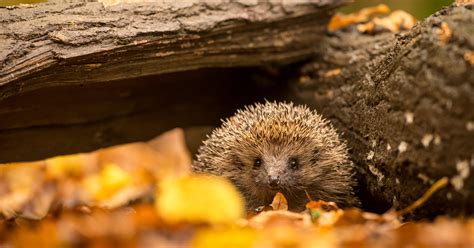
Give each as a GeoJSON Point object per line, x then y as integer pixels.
{"type": "Point", "coordinates": [69, 71]}
{"type": "Point", "coordinates": [405, 103]}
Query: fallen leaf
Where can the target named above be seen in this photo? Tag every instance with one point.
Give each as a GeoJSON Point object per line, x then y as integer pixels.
{"type": "Point", "coordinates": [395, 22]}
{"type": "Point", "coordinates": [324, 213]}
{"type": "Point", "coordinates": [469, 57]}
{"type": "Point", "coordinates": [110, 177]}
{"type": "Point", "coordinates": [69, 165]}
{"type": "Point", "coordinates": [279, 202]}
{"type": "Point", "coordinates": [43, 235]}
{"type": "Point", "coordinates": [339, 21]}
{"type": "Point", "coordinates": [199, 199]}
{"type": "Point", "coordinates": [175, 157]}
{"type": "Point", "coordinates": [333, 72]}
{"type": "Point", "coordinates": [444, 33]}
{"type": "Point", "coordinates": [269, 218]}
{"type": "Point", "coordinates": [224, 237]}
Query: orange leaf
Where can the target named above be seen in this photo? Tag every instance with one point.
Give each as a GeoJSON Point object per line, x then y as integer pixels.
{"type": "Point", "coordinates": [339, 21]}
{"type": "Point", "coordinates": [279, 202]}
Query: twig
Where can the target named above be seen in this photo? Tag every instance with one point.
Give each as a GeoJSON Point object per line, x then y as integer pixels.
{"type": "Point", "coordinates": [435, 187]}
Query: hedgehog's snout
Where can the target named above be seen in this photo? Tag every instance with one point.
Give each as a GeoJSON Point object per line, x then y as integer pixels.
{"type": "Point", "coordinates": [273, 181]}
{"type": "Point", "coordinates": [275, 172]}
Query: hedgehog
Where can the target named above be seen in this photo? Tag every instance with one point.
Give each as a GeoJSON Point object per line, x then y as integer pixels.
{"type": "Point", "coordinates": [280, 147]}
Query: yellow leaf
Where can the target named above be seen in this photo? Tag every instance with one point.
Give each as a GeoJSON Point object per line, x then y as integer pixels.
{"type": "Point", "coordinates": [233, 237]}
{"type": "Point", "coordinates": [114, 177]}
{"type": "Point", "coordinates": [65, 165]}
{"type": "Point", "coordinates": [111, 179]}
{"type": "Point", "coordinates": [199, 199]}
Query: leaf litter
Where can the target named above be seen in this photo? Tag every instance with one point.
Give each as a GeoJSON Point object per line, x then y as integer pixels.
{"type": "Point", "coordinates": [144, 195]}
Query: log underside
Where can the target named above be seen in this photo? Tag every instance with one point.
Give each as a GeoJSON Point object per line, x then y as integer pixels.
{"type": "Point", "coordinates": [404, 102]}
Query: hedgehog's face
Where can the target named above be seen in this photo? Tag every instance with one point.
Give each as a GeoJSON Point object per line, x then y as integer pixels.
{"type": "Point", "coordinates": [279, 167]}
{"type": "Point", "coordinates": [275, 172]}
{"type": "Point", "coordinates": [276, 166]}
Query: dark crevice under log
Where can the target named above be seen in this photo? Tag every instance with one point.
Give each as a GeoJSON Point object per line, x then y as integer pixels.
{"type": "Point", "coordinates": [68, 119]}
{"type": "Point", "coordinates": [405, 103]}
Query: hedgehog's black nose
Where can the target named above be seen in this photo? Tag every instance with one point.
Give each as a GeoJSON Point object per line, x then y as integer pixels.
{"type": "Point", "coordinates": [273, 181]}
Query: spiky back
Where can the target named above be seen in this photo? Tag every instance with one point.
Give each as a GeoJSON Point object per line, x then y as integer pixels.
{"type": "Point", "coordinates": [280, 122]}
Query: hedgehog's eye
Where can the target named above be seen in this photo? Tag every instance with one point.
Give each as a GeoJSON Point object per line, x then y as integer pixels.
{"type": "Point", "coordinates": [293, 163]}
{"type": "Point", "coordinates": [257, 163]}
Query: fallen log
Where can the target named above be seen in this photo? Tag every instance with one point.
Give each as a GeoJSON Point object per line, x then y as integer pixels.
{"type": "Point", "coordinates": [75, 77]}
{"type": "Point", "coordinates": [405, 105]}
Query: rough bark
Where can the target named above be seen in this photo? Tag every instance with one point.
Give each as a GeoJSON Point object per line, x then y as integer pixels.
{"type": "Point", "coordinates": [67, 69]}
{"type": "Point", "coordinates": [405, 103]}
{"type": "Point", "coordinates": [81, 43]}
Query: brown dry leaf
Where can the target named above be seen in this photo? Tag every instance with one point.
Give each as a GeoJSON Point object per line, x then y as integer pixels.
{"type": "Point", "coordinates": [304, 80]}
{"type": "Point", "coordinates": [279, 202]}
{"type": "Point", "coordinates": [339, 21]}
{"type": "Point", "coordinates": [43, 235]}
{"type": "Point", "coordinates": [469, 57]}
{"type": "Point", "coordinates": [175, 157]}
{"type": "Point", "coordinates": [39, 205]}
{"type": "Point", "coordinates": [443, 232]}
{"type": "Point", "coordinates": [398, 20]}
{"type": "Point", "coordinates": [146, 216]}
{"type": "Point", "coordinates": [99, 223]}
{"type": "Point", "coordinates": [295, 236]}
{"type": "Point", "coordinates": [199, 199]}
{"type": "Point", "coordinates": [269, 218]}
{"type": "Point", "coordinates": [333, 72]}
{"type": "Point", "coordinates": [444, 33]}
{"type": "Point", "coordinates": [18, 191]}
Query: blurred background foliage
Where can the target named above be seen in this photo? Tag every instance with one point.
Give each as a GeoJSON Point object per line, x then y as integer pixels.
{"type": "Point", "coordinates": [419, 8]}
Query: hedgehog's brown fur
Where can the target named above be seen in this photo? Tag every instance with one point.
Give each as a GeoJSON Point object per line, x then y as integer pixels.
{"type": "Point", "coordinates": [274, 134]}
